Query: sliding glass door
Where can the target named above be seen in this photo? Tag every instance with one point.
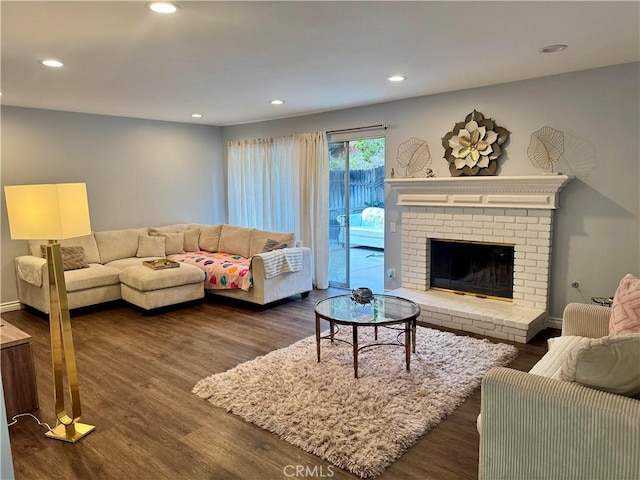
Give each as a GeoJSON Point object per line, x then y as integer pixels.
{"type": "Point", "coordinates": [338, 215]}
{"type": "Point", "coordinates": [356, 213]}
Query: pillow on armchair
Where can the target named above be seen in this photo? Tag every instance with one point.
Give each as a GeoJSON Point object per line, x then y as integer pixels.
{"type": "Point", "coordinates": [625, 310]}
{"type": "Point", "coordinates": [609, 363]}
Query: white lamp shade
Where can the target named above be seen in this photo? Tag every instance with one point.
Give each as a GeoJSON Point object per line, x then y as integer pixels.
{"type": "Point", "coordinates": [52, 212]}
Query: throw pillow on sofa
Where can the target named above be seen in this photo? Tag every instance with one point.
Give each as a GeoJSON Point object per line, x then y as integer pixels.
{"type": "Point", "coordinates": [259, 239]}
{"type": "Point", "coordinates": [173, 242]}
{"type": "Point", "coordinates": [72, 257]}
{"type": "Point", "coordinates": [209, 239]}
{"type": "Point", "coordinates": [191, 240]}
{"type": "Point", "coordinates": [150, 246]}
{"type": "Point", "coordinates": [87, 242]}
{"type": "Point", "coordinates": [625, 310]}
{"type": "Point", "coordinates": [609, 363]}
{"type": "Point", "coordinates": [272, 245]}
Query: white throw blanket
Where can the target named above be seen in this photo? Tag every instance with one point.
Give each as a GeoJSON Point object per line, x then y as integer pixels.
{"type": "Point", "coordinates": [30, 270]}
{"type": "Point", "coordinates": [281, 261]}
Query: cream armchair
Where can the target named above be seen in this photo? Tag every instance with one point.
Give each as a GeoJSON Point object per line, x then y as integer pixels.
{"type": "Point", "coordinates": [534, 427]}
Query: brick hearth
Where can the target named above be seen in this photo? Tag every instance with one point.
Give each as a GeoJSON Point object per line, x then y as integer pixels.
{"type": "Point", "coordinates": [507, 210]}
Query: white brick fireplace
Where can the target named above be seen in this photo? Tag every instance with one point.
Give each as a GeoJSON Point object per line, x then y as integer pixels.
{"type": "Point", "coordinates": [516, 211]}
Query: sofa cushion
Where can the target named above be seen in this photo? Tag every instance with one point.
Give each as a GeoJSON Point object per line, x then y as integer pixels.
{"type": "Point", "coordinates": [609, 363]}
{"type": "Point", "coordinates": [209, 239]}
{"type": "Point", "coordinates": [551, 363]}
{"type": "Point", "coordinates": [625, 310]}
{"type": "Point", "coordinates": [123, 263]}
{"type": "Point", "coordinates": [191, 240]}
{"type": "Point", "coordinates": [95, 276]}
{"type": "Point", "coordinates": [151, 246]}
{"type": "Point", "coordinates": [146, 279]}
{"type": "Point", "coordinates": [72, 257]}
{"type": "Point", "coordinates": [116, 244]}
{"type": "Point", "coordinates": [259, 239]}
{"type": "Point", "coordinates": [236, 240]}
{"type": "Point", "coordinates": [87, 242]}
{"type": "Point", "coordinates": [173, 241]}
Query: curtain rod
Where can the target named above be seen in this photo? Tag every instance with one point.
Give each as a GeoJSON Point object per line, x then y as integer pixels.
{"type": "Point", "coordinates": [368, 127]}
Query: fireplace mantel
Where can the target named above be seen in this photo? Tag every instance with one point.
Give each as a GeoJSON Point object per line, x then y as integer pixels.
{"type": "Point", "coordinates": [531, 191]}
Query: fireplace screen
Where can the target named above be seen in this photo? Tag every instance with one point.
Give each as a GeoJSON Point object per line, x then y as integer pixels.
{"type": "Point", "coordinates": [476, 268]}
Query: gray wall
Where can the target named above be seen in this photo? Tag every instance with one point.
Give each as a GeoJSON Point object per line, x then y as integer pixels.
{"type": "Point", "coordinates": [138, 172]}
{"type": "Point", "coordinates": [597, 238]}
{"type": "Point", "coordinates": [141, 172]}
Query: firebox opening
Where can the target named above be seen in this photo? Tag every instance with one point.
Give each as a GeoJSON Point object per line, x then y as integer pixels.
{"type": "Point", "coordinates": [476, 268]}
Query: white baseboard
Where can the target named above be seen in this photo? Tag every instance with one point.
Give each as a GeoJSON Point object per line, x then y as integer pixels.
{"type": "Point", "coordinates": [553, 322]}
{"type": "Point", "coordinates": [10, 306]}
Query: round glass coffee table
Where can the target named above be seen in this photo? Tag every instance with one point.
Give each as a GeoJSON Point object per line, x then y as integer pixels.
{"type": "Point", "coordinates": [382, 311]}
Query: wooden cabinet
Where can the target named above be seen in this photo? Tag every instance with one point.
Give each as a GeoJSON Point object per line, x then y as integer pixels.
{"type": "Point", "coordinates": [18, 370]}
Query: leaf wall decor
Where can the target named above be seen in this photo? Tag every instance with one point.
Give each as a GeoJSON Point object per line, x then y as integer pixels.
{"type": "Point", "coordinates": [414, 157]}
{"type": "Point", "coordinates": [546, 147]}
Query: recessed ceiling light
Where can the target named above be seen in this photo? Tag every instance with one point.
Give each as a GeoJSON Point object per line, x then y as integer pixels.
{"type": "Point", "coordinates": [196, 115]}
{"type": "Point", "coordinates": [276, 102]}
{"type": "Point", "coordinates": [51, 63]}
{"type": "Point", "coordinates": [396, 78]}
{"type": "Point", "coordinates": [163, 7]}
{"type": "Point", "coordinates": [553, 48]}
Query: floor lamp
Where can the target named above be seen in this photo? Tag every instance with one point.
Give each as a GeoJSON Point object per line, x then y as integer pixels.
{"type": "Point", "coordinates": [55, 212]}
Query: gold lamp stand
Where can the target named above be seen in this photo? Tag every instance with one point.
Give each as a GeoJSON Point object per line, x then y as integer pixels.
{"type": "Point", "coordinates": [55, 211]}
{"type": "Point", "coordinates": [70, 429]}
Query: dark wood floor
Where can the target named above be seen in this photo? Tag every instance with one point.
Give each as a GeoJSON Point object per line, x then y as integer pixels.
{"type": "Point", "coordinates": [136, 374]}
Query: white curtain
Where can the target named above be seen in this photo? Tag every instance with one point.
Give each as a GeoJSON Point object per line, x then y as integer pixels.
{"type": "Point", "coordinates": [282, 184]}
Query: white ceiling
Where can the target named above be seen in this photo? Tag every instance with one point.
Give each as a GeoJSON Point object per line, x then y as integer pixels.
{"type": "Point", "coordinates": [226, 60]}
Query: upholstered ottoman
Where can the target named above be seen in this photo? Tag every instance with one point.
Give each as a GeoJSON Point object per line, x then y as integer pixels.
{"type": "Point", "coordinates": [149, 289]}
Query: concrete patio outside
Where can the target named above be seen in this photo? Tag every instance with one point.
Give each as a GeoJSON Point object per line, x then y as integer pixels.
{"type": "Point", "coordinates": [366, 266]}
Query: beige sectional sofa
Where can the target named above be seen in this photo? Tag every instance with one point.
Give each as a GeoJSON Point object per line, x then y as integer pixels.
{"type": "Point", "coordinates": [113, 268]}
{"type": "Point", "coordinates": [535, 426]}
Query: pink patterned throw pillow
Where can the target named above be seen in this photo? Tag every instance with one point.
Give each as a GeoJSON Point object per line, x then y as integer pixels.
{"type": "Point", "coordinates": [625, 310]}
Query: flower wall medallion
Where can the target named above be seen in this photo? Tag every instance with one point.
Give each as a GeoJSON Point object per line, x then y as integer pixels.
{"type": "Point", "coordinates": [473, 146]}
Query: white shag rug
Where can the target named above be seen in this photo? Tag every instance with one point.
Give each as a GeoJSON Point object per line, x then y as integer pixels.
{"type": "Point", "coordinates": [361, 425]}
